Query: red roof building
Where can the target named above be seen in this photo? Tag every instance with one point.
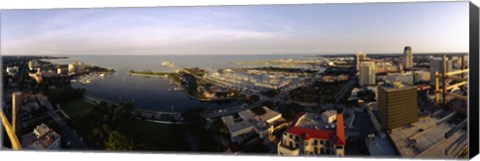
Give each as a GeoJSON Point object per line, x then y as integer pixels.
{"type": "Point", "coordinates": [299, 140]}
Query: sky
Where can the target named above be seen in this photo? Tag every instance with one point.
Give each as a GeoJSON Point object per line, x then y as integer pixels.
{"type": "Point", "coordinates": [265, 29]}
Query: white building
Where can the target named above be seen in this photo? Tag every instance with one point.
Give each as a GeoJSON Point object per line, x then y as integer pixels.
{"type": "Point", "coordinates": [329, 116]}
{"type": "Point", "coordinates": [305, 137]}
{"type": "Point", "coordinates": [42, 138]}
{"type": "Point", "coordinates": [359, 56]}
{"type": "Point", "coordinates": [12, 70]}
{"type": "Point", "coordinates": [248, 121]}
{"type": "Point", "coordinates": [367, 73]}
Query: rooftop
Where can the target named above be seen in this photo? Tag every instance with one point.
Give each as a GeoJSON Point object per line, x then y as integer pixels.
{"type": "Point", "coordinates": [396, 86]}
{"type": "Point", "coordinates": [307, 128]}
{"type": "Point", "coordinates": [41, 138]}
{"type": "Point", "coordinates": [426, 139]}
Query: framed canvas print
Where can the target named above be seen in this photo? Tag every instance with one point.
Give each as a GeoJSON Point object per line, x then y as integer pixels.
{"type": "Point", "coordinates": [336, 80]}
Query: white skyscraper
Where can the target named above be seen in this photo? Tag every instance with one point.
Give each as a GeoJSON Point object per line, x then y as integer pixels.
{"type": "Point", "coordinates": [408, 57]}
{"type": "Point", "coordinates": [366, 73]}
{"type": "Point", "coordinates": [359, 56]}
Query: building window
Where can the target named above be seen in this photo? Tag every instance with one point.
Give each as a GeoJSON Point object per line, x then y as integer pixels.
{"type": "Point", "coordinates": [315, 142]}
{"type": "Point", "coordinates": [306, 143]}
{"type": "Point", "coordinates": [297, 138]}
{"type": "Point", "coordinates": [322, 151]}
{"type": "Point", "coordinates": [290, 136]}
{"type": "Point", "coordinates": [322, 142]}
{"type": "Point", "coordinates": [315, 149]}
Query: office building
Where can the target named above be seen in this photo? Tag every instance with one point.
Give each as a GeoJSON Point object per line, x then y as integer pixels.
{"type": "Point", "coordinates": [397, 104]}
{"type": "Point", "coordinates": [359, 56]}
{"type": "Point", "coordinates": [408, 57]}
{"type": "Point", "coordinates": [367, 73]}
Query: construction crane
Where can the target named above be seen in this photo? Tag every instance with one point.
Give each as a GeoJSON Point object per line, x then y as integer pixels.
{"type": "Point", "coordinates": [444, 76]}
{"type": "Point", "coordinates": [16, 145]}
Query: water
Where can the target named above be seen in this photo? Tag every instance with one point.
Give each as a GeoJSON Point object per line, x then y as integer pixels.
{"type": "Point", "coordinates": [153, 93]}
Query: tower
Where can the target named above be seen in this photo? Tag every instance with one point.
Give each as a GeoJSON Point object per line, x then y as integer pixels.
{"type": "Point", "coordinates": [366, 73]}
{"type": "Point", "coordinates": [408, 57]}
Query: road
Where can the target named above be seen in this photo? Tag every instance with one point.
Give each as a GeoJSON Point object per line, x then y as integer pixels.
{"type": "Point", "coordinates": [346, 88]}
{"type": "Point", "coordinates": [68, 133]}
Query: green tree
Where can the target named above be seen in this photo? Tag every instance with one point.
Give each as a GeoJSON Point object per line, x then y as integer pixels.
{"type": "Point", "coordinates": [118, 141]}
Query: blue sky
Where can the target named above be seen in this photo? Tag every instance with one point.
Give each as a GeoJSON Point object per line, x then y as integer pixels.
{"type": "Point", "coordinates": [267, 29]}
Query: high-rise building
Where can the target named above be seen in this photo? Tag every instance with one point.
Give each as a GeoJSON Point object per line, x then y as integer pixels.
{"type": "Point", "coordinates": [359, 56]}
{"type": "Point", "coordinates": [397, 104]}
{"type": "Point", "coordinates": [367, 73]}
{"type": "Point", "coordinates": [408, 57]}
{"type": "Point", "coordinates": [17, 105]}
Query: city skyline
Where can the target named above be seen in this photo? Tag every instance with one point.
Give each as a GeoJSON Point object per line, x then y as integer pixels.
{"type": "Point", "coordinates": [238, 30]}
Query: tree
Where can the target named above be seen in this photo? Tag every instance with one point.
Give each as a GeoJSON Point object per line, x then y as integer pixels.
{"type": "Point", "coordinates": [118, 141]}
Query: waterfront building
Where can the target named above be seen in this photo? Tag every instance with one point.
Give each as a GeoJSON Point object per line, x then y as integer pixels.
{"type": "Point", "coordinates": [408, 57]}
{"type": "Point", "coordinates": [397, 104]}
{"type": "Point", "coordinates": [405, 77]}
{"type": "Point", "coordinates": [359, 56]}
{"type": "Point", "coordinates": [42, 138]}
{"type": "Point", "coordinates": [309, 136]}
{"type": "Point", "coordinates": [76, 67]}
{"type": "Point", "coordinates": [367, 73]}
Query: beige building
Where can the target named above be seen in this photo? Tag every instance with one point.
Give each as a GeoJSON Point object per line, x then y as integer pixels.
{"type": "Point", "coordinates": [305, 137]}
{"type": "Point", "coordinates": [359, 56]}
{"type": "Point", "coordinates": [397, 105]}
{"type": "Point", "coordinates": [367, 73]}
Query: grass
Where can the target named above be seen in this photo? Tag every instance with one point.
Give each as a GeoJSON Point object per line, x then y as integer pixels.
{"type": "Point", "coordinates": [164, 137]}
{"type": "Point", "coordinates": [75, 107]}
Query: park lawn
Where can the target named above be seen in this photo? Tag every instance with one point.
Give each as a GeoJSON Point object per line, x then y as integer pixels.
{"type": "Point", "coordinates": [165, 137]}
{"type": "Point", "coordinates": [75, 107]}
